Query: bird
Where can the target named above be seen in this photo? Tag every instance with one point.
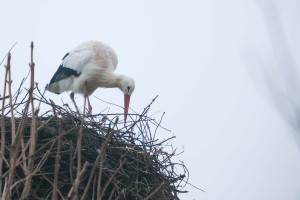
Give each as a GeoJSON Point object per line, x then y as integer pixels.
{"type": "Point", "coordinates": [89, 66]}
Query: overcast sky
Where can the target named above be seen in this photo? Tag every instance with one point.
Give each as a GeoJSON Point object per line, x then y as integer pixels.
{"type": "Point", "coordinates": [216, 65]}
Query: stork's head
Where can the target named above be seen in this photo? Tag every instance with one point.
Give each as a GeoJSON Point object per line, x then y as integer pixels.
{"type": "Point", "coordinates": [127, 87]}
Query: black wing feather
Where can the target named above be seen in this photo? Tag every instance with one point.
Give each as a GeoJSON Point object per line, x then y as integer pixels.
{"type": "Point", "coordinates": [63, 72]}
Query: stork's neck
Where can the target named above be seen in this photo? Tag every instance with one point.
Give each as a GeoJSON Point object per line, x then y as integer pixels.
{"type": "Point", "coordinates": [110, 80]}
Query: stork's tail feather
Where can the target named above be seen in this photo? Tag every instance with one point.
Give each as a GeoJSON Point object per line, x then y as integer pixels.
{"type": "Point", "coordinates": [54, 87]}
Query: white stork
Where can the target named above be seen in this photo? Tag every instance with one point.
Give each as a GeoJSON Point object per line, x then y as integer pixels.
{"type": "Point", "coordinates": [89, 66]}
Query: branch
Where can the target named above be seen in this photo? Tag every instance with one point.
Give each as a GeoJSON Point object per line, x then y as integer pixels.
{"type": "Point", "coordinates": [3, 125]}
{"type": "Point", "coordinates": [57, 165]}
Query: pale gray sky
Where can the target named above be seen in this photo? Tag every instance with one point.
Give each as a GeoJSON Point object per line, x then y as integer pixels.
{"type": "Point", "coordinates": [204, 60]}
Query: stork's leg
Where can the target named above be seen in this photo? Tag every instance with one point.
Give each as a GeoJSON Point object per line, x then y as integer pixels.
{"type": "Point", "coordinates": [89, 105]}
{"type": "Point", "coordinates": [72, 98]}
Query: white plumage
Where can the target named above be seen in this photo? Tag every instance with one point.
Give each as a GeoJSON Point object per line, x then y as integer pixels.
{"type": "Point", "coordinates": [89, 66]}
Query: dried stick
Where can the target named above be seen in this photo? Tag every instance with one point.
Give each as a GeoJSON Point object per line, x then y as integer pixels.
{"type": "Point", "coordinates": [38, 150]}
{"type": "Point", "coordinates": [114, 174]}
{"type": "Point", "coordinates": [155, 191]}
{"type": "Point", "coordinates": [14, 148]}
{"type": "Point", "coordinates": [49, 181]}
{"type": "Point", "coordinates": [39, 165]}
{"type": "Point", "coordinates": [42, 96]}
{"type": "Point", "coordinates": [6, 97]}
{"type": "Point", "coordinates": [73, 191]}
{"type": "Point", "coordinates": [99, 158]}
{"type": "Point", "coordinates": [112, 193]}
{"type": "Point", "coordinates": [102, 151]}
{"type": "Point", "coordinates": [71, 162]}
{"type": "Point", "coordinates": [13, 125]}
{"type": "Point", "coordinates": [8, 53]}
{"type": "Point", "coordinates": [94, 187]}
{"type": "Point", "coordinates": [5, 187]}
{"type": "Point", "coordinates": [47, 121]}
{"type": "Point", "coordinates": [23, 154]}
{"type": "Point", "coordinates": [80, 132]}
{"type": "Point", "coordinates": [3, 127]}
{"type": "Point", "coordinates": [14, 152]}
{"type": "Point", "coordinates": [143, 113]}
{"type": "Point", "coordinates": [33, 132]}
{"type": "Point", "coordinates": [57, 165]}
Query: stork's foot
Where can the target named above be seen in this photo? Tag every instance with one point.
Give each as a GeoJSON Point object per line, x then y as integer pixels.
{"type": "Point", "coordinates": [73, 100]}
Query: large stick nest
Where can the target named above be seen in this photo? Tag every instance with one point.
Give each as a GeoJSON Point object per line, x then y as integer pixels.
{"type": "Point", "coordinates": [62, 154]}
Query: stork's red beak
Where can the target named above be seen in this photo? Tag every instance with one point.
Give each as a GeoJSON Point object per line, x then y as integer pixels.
{"type": "Point", "coordinates": [126, 106]}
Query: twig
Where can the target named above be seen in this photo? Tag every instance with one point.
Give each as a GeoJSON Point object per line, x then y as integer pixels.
{"type": "Point", "coordinates": [39, 165]}
{"type": "Point", "coordinates": [42, 96]}
{"type": "Point", "coordinates": [71, 162]}
{"type": "Point", "coordinates": [8, 52]}
{"type": "Point", "coordinates": [33, 133]}
{"type": "Point", "coordinates": [57, 165]}
{"type": "Point", "coordinates": [2, 98]}
{"type": "Point", "coordinates": [102, 151]}
{"type": "Point", "coordinates": [113, 175]}
{"type": "Point", "coordinates": [98, 159]}
{"type": "Point", "coordinates": [143, 113]}
{"type": "Point", "coordinates": [195, 186]}
{"type": "Point", "coordinates": [112, 193]}
{"type": "Point", "coordinates": [46, 122]}
{"type": "Point", "coordinates": [37, 151]}
{"type": "Point", "coordinates": [73, 191]}
{"type": "Point", "coordinates": [155, 191]}
{"type": "Point", "coordinates": [3, 126]}
{"type": "Point", "coordinates": [49, 181]}
{"type": "Point", "coordinates": [158, 125]}
{"type": "Point", "coordinates": [13, 125]}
